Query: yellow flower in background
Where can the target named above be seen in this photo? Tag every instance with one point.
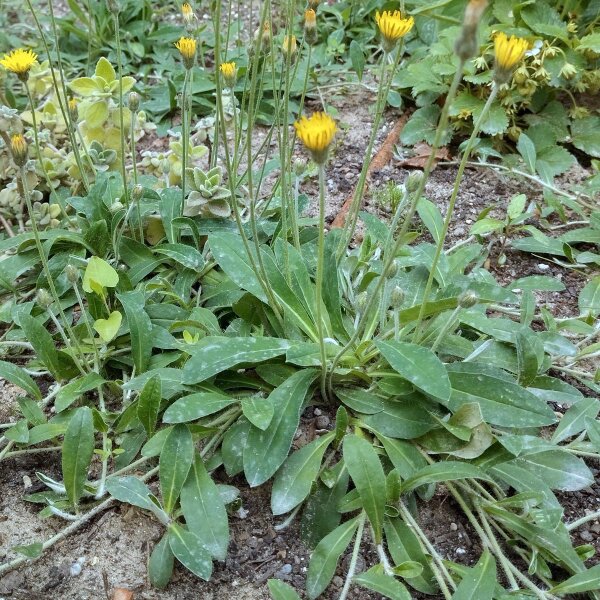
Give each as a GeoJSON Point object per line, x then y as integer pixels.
{"type": "Point", "coordinates": [392, 26]}
{"type": "Point", "coordinates": [18, 149]}
{"type": "Point", "coordinates": [310, 26]}
{"type": "Point", "coordinates": [289, 45]}
{"type": "Point", "coordinates": [187, 49]}
{"type": "Point", "coordinates": [316, 134]}
{"type": "Point", "coordinates": [19, 62]}
{"type": "Point", "coordinates": [229, 73]}
{"type": "Point", "coordinates": [187, 11]}
{"type": "Point", "coordinates": [509, 51]}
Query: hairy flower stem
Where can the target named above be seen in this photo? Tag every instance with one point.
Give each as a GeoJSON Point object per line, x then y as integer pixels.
{"type": "Point", "coordinates": [450, 211]}
{"type": "Point", "coordinates": [184, 138]}
{"type": "Point", "coordinates": [121, 117]}
{"type": "Point", "coordinates": [390, 256]}
{"type": "Point", "coordinates": [62, 98]}
{"type": "Point", "coordinates": [382, 93]}
{"type": "Point", "coordinates": [354, 557]}
{"type": "Point", "coordinates": [319, 280]}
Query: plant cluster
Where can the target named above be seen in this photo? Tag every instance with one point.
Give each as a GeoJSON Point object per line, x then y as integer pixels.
{"type": "Point", "coordinates": [184, 314]}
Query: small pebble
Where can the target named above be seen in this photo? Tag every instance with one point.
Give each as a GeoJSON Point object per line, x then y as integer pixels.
{"type": "Point", "coordinates": [317, 412]}
{"type": "Point", "coordinates": [586, 536]}
{"type": "Point", "coordinates": [338, 581]}
{"type": "Point", "coordinates": [322, 422]}
{"type": "Point", "coordinates": [453, 526]}
{"type": "Point", "coordinates": [460, 551]}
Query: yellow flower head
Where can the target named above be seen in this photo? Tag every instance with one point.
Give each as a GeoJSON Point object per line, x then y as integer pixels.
{"type": "Point", "coordinates": [187, 11]}
{"type": "Point", "coordinates": [229, 73]}
{"type": "Point", "coordinates": [187, 49]}
{"type": "Point", "coordinates": [310, 18]}
{"type": "Point", "coordinates": [392, 27]}
{"type": "Point", "coordinates": [289, 45]}
{"type": "Point", "coordinates": [18, 149]}
{"type": "Point", "coordinates": [19, 61]}
{"type": "Point", "coordinates": [509, 52]}
{"type": "Point", "coordinates": [316, 134]}
{"type": "Point", "coordinates": [73, 108]}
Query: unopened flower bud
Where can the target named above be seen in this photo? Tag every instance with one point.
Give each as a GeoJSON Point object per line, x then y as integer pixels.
{"type": "Point", "coordinates": [264, 35]}
{"type": "Point", "coordinates": [467, 44]}
{"type": "Point", "coordinates": [19, 149]}
{"type": "Point", "coordinates": [299, 167]}
{"type": "Point", "coordinates": [73, 110]}
{"type": "Point", "coordinates": [289, 45]}
{"type": "Point", "coordinates": [362, 301]}
{"type": "Point", "coordinates": [113, 6]}
{"type": "Point", "coordinates": [72, 273]}
{"type": "Point", "coordinates": [413, 181]}
{"type": "Point", "coordinates": [397, 296]}
{"type": "Point", "coordinates": [468, 299]}
{"type": "Point", "coordinates": [134, 102]}
{"type": "Point", "coordinates": [392, 271]}
{"type": "Point", "coordinates": [43, 298]}
{"type": "Point", "coordinates": [116, 207]}
{"type": "Point", "coordinates": [137, 192]}
{"type": "Point", "coordinates": [310, 26]}
{"type": "Point", "coordinates": [314, 4]}
{"type": "Point", "coordinates": [229, 73]}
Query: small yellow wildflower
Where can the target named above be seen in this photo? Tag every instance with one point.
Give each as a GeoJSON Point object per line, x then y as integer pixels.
{"type": "Point", "coordinates": [509, 52]}
{"type": "Point", "coordinates": [18, 149]}
{"type": "Point", "coordinates": [310, 26]}
{"type": "Point", "coordinates": [229, 73]}
{"type": "Point", "coordinates": [19, 62]}
{"type": "Point", "coordinates": [289, 45]}
{"type": "Point", "coordinates": [188, 12]}
{"type": "Point", "coordinates": [187, 49]}
{"type": "Point", "coordinates": [316, 134]}
{"type": "Point", "coordinates": [392, 27]}
{"type": "Point", "coordinates": [73, 109]}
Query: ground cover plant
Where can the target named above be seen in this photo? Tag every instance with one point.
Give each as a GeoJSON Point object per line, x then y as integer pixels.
{"type": "Point", "coordinates": [171, 309]}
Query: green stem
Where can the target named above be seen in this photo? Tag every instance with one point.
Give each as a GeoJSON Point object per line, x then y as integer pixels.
{"type": "Point", "coordinates": [354, 557]}
{"type": "Point", "coordinates": [450, 211]}
{"type": "Point", "coordinates": [184, 138]}
{"type": "Point", "coordinates": [319, 280]}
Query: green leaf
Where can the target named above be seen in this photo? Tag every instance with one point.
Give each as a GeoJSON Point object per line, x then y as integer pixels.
{"type": "Point", "coordinates": [34, 550]}
{"type": "Point", "coordinates": [526, 149]}
{"type": "Point", "coordinates": [187, 548]}
{"type": "Point", "coordinates": [281, 591]}
{"type": "Point", "coordinates": [42, 343]}
{"type": "Point", "coordinates": [31, 410]}
{"type": "Point", "coordinates": [379, 582]}
{"type": "Point", "coordinates": [295, 478]}
{"type": "Point", "coordinates": [133, 491]}
{"type": "Point", "coordinates": [266, 450]}
{"type": "Point", "coordinates": [259, 411]}
{"type": "Point", "coordinates": [17, 376]}
{"type": "Point", "coordinates": [589, 298]}
{"type": "Point", "coordinates": [421, 126]}
{"type": "Point", "coordinates": [357, 57]}
{"type": "Point", "coordinates": [85, 86]}
{"type": "Point", "coordinates": [99, 275]}
{"type": "Point", "coordinates": [140, 328]}
{"type": "Point", "coordinates": [326, 555]}
{"type": "Point", "coordinates": [479, 582]}
{"type": "Point", "coordinates": [449, 470]}
{"type": "Point", "coordinates": [214, 354]}
{"type": "Point", "coordinates": [78, 447]}
{"type": "Point", "coordinates": [160, 566]}
{"type": "Point", "coordinates": [587, 581]}
{"type": "Point", "coordinates": [543, 19]}
{"type": "Point", "coordinates": [418, 365]}
{"type": "Point", "coordinates": [174, 464]}
{"type": "Point", "coordinates": [107, 328]}
{"type": "Point", "coordinates": [189, 257]}
{"type": "Point", "coordinates": [574, 420]}
{"type": "Point", "coordinates": [105, 70]}
{"type": "Point", "coordinates": [501, 401]}
{"type": "Point", "coordinates": [74, 390]}
{"type": "Point", "coordinates": [18, 433]}
{"type": "Point", "coordinates": [359, 400]}
{"type": "Point", "coordinates": [196, 406]}
{"type": "Point", "coordinates": [366, 472]}
{"type": "Point", "coordinates": [405, 418]}
{"type": "Point", "coordinates": [432, 218]}
{"type": "Point", "coordinates": [148, 404]}
{"type": "Point", "coordinates": [204, 510]}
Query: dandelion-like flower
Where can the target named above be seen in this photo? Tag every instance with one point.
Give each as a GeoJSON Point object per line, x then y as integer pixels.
{"type": "Point", "coordinates": [187, 49]}
{"type": "Point", "coordinates": [392, 26]}
{"type": "Point", "coordinates": [187, 11]}
{"type": "Point", "coordinates": [310, 26]}
{"type": "Point", "coordinates": [18, 149]}
{"type": "Point", "coordinates": [19, 61]}
{"type": "Point", "coordinates": [289, 45]}
{"type": "Point", "coordinates": [509, 51]}
{"type": "Point", "coordinates": [316, 134]}
{"type": "Point", "coordinates": [229, 73]}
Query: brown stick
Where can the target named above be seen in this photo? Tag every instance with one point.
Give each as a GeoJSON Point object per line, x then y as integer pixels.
{"type": "Point", "coordinates": [379, 161]}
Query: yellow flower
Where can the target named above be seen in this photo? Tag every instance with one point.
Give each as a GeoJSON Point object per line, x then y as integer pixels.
{"type": "Point", "coordinates": [392, 27]}
{"type": "Point", "coordinates": [18, 149]}
{"type": "Point", "coordinates": [187, 11]}
{"type": "Point", "coordinates": [289, 45]}
{"type": "Point", "coordinates": [316, 134]}
{"type": "Point", "coordinates": [19, 62]}
{"type": "Point", "coordinates": [187, 49]}
{"type": "Point", "coordinates": [229, 73]}
{"type": "Point", "coordinates": [310, 26]}
{"type": "Point", "coordinates": [509, 52]}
